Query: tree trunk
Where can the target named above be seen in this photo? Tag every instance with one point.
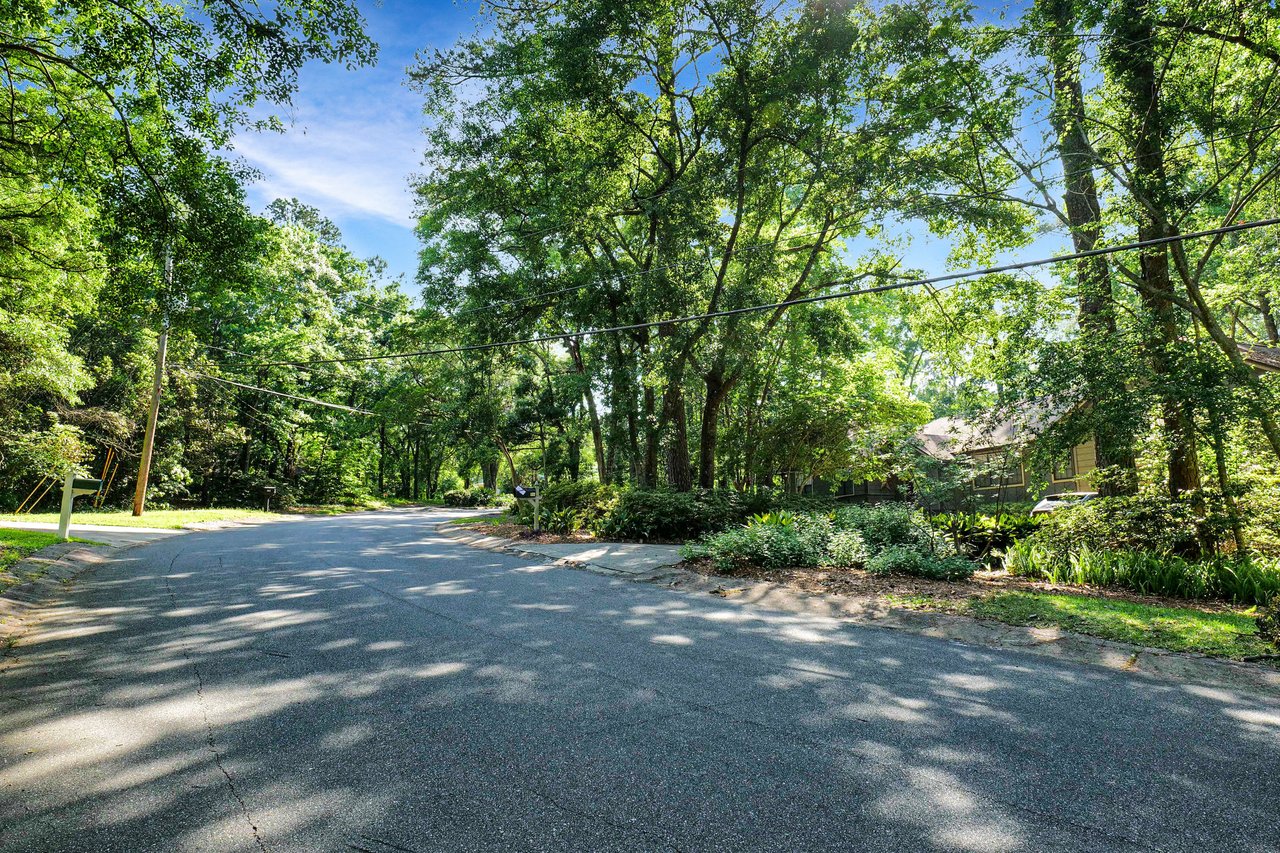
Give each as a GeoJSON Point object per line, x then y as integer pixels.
{"type": "Point", "coordinates": [382, 458]}
{"type": "Point", "coordinates": [1220, 460]}
{"type": "Point", "coordinates": [1131, 56]}
{"type": "Point", "coordinates": [417, 474]}
{"type": "Point", "coordinates": [1268, 319]}
{"type": "Point", "coordinates": [597, 437]}
{"type": "Point", "coordinates": [718, 389]}
{"type": "Point", "coordinates": [1096, 317]}
{"type": "Point", "coordinates": [649, 468]}
{"type": "Point", "coordinates": [679, 470]}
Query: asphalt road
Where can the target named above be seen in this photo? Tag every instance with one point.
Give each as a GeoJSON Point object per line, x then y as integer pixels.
{"type": "Point", "coordinates": [359, 683]}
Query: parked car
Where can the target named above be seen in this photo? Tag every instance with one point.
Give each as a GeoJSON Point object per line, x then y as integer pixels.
{"type": "Point", "coordinates": [1050, 503]}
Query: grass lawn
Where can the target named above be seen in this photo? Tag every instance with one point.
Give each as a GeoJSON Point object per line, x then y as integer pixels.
{"type": "Point", "coordinates": [166, 518]}
{"type": "Point", "coordinates": [17, 544]}
{"type": "Point", "coordinates": [176, 518]}
{"type": "Point", "coordinates": [481, 519]}
{"type": "Point", "coordinates": [1179, 629]}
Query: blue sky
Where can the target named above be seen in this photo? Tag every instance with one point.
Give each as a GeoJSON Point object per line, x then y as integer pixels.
{"type": "Point", "coordinates": [354, 137]}
{"type": "Point", "coordinates": [353, 140]}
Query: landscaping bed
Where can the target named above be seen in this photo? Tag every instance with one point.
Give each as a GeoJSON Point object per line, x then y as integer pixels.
{"type": "Point", "coordinates": [1211, 628]}
{"type": "Point", "coordinates": [1120, 570]}
{"type": "Point", "coordinates": [522, 532]}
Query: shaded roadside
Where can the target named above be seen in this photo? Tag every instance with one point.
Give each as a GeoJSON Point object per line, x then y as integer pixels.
{"type": "Point", "coordinates": [664, 567]}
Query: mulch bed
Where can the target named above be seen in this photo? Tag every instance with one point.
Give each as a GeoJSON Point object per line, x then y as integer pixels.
{"type": "Point", "coordinates": [522, 532]}
{"type": "Point", "coordinates": [854, 583]}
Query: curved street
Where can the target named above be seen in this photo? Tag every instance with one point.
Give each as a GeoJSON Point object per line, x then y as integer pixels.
{"type": "Point", "coordinates": [361, 683]}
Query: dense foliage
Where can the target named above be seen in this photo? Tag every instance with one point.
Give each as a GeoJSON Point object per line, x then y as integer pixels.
{"type": "Point", "coordinates": [595, 164]}
{"type": "Point", "coordinates": [1241, 580]}
{"type": "Point", "coordinates": [883, 539]}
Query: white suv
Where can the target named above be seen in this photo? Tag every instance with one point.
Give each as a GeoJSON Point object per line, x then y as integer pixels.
{"type": "Point", "coordinates": [1058, 501]}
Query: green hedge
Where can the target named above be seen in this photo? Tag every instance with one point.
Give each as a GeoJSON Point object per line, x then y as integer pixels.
{"type": "Point", "coordinates": [887, 538]}
{"type": "Point", "coordinates": [658, 514]}
{"type": "Point", "coordinates": [476, 496]}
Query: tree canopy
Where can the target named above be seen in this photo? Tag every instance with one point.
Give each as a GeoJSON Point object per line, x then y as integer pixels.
{"type": "Point", "coordinates": [618, 166]}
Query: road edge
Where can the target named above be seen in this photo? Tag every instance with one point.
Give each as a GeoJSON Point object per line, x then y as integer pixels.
{"type": "Point", "coordinates": [1053, 643]}
{"type": "Point", "coordinates": [21, 601]}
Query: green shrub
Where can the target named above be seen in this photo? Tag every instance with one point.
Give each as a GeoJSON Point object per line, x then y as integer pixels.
{"type": "Point", "coordinates": [906, 560]}
{"type": "Point", "coordinates": [589, 499]}
{"type": "Point", "coordinates": [778, 518]}
{"type": "Point", "coordinates": [476, 496]}
{"type": "Point", "coordinates": [807, 540]}
{"type": "Point", "coordinates": [675, 516]}
{"type": "Point", "coordinates": [561, 521]}
{"type": "Point", "coordinates": [1135, 523]}
{"type": "Point", "coordinates": [1260, 508]}
{"type": "Point", "coordinates": [882, 525]}
{"type": "Point", "coordinates": [780, 540]}
{"type": "Point", "coordinates": [1269, 623]}
{"type": "Point", "coordinates": [766, 546]}
{"type": "Point", "coordinates": [846, 549]}
{"type": "Point", "coordinates": [984, 537]}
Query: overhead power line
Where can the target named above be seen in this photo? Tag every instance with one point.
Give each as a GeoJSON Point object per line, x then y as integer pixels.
{"type": "Point", "coordinates": [299, 397]}
{"type": "Point", "coordinates": [807, 300]}
{"type": "Point", "coordinates": [311, 400]}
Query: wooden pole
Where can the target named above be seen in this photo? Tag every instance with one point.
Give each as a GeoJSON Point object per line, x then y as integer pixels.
{"type": "Point", "coordinates": [68, 495]}
{"type": "Point", "coordinates": [149, 439]}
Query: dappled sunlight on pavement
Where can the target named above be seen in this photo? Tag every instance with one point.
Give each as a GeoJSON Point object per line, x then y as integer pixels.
{"type": "Point", "coordinates": [364, 684]}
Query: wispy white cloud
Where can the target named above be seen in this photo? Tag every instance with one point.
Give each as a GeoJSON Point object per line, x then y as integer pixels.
{"type": "Point", "coordinates": [354, 137]}
{"type": "Point", "coordinates": [353, 163]}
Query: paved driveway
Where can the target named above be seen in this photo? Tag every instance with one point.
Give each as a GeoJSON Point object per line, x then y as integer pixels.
{"type": "Point", "coordinates": [359, 683]}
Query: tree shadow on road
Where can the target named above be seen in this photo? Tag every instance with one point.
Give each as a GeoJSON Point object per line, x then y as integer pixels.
{"type": "Point", "coordinates": [364, 684]}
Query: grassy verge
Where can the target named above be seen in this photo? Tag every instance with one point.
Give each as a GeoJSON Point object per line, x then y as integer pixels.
{"type": "Point", "coordinates": [1179, 629]}
{"type": "Point", "coordinates": [166, 518]}
{"type": "Point", "coordinates": [341, 509]}
{"type": "Point", "coordinates": [17, 544]}
{"type": "Point", "coordinates": [482, 519]}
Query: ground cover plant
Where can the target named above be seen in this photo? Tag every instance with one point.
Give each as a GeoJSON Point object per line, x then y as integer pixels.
{"type": "Point", "coordinates": [1240, 579]}
{"type": "Point", "coordinates": [1151, 545]}
{"type": "Point", "coordinates": [984, 537]}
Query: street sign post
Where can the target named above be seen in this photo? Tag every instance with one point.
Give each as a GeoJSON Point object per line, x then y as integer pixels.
{"type": "Point", "coordinates": [72, 487]}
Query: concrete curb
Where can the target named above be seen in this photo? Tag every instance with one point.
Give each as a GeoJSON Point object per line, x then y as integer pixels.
{"type": "Point", "coordinates": [1046, 642]}
{"type": "Point", "coordinates": [57, 565]}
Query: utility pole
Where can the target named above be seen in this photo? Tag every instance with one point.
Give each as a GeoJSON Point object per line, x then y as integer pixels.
{"type": "Point", "coordinates": [149, 439]}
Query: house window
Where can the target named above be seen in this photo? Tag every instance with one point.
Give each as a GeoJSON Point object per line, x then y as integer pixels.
{"type": "Point", "coordinates": [994, 471]}
{"type": "Point", "coordinates": [1064, 469]}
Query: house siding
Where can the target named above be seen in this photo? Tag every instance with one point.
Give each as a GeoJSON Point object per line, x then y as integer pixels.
{"type": "Point", "coordinates": [1084, 456]}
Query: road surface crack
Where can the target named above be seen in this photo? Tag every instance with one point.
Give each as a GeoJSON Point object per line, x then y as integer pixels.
{"type": "Point", "coordinates": [208, 724]}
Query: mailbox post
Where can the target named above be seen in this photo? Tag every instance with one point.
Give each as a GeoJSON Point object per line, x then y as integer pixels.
{"type": "Point", "coordinates": [531, 494]}
{"type": "Point", "coordinates": [72, 486]}
{"type": "Point", "coordinates": [268, 491]}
